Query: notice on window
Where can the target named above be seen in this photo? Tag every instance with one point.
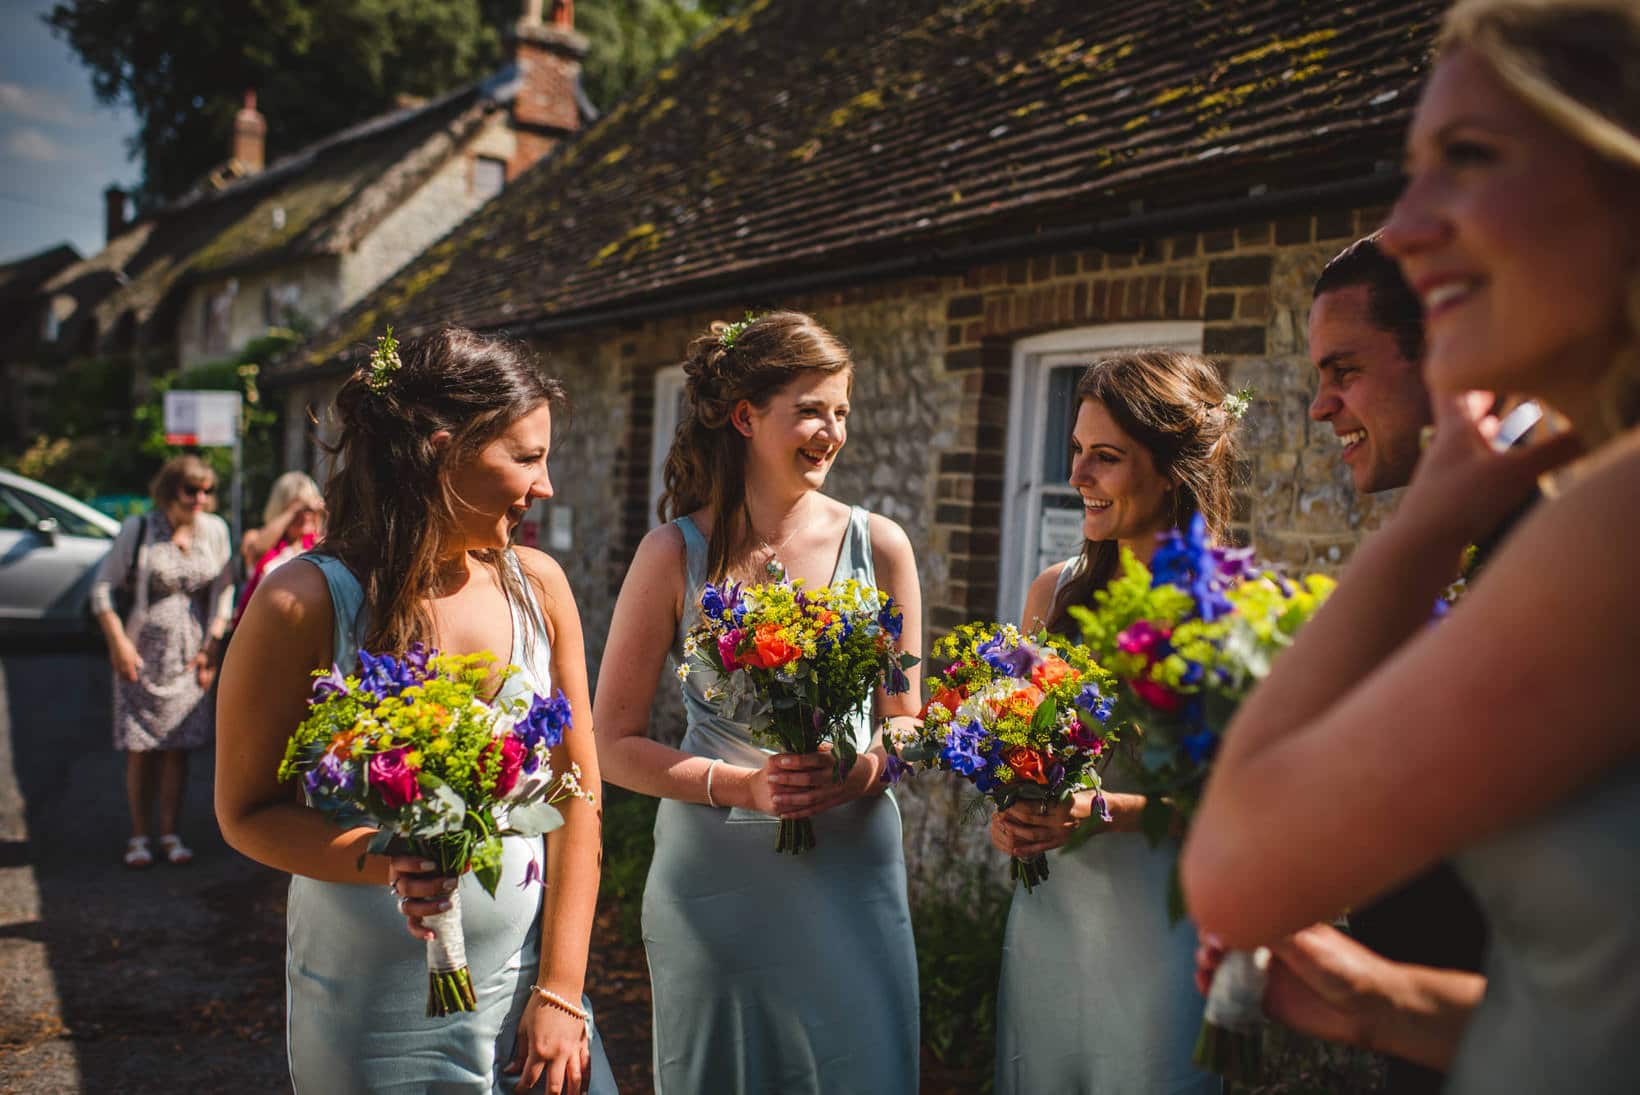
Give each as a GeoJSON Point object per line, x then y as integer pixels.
{"type": "Point", "coordinates": [1059, 536]}
{"type": "Point", "coordinates": [201, 418]}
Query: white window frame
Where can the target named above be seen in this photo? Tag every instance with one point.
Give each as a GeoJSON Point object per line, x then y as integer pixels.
{"type": "Point", "coordinates": [1023, 492]}
{"type": "Point", "coordinates": [667, 387]}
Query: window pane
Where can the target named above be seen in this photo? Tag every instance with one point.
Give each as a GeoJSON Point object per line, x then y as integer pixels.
{"type": "Point", "coordinates": [1056, 429]}
{"type": "Point", "coordinates": [489, 176]}
{"type": "Point", "coordinates": [68, 522]}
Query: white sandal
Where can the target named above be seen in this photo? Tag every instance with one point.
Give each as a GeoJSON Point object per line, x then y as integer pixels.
{"type": "Point", "coordinates": [175, 851]}
{"type": "Point", "coordinates": [137, 854]}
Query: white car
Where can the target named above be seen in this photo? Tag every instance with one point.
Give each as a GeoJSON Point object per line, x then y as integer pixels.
{"type": "Point", "coordinates": [50, 548]}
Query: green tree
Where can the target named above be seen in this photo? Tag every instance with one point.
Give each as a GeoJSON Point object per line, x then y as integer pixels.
{"type": "Point", "coordinates": [320, 65]}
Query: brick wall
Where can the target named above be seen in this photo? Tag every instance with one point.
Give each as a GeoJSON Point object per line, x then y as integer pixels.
{"type": "Point", "coordinates": [928, 437]}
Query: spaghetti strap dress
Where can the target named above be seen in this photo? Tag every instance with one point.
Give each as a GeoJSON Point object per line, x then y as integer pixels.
{"type": "Point", "coordinates": [355, 980]}
{"type": "Point", "coordinates": [773, 973]}
{"type": "Point", "coordinates": [1097, 994]}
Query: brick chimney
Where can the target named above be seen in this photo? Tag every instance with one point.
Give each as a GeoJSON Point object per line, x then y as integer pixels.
{"type": "Point", "coordinates": [250, 131]}
{"type": "Point", "coordinates": [548, 54]}
{"type": "Point", "coordinates": [114, 221]}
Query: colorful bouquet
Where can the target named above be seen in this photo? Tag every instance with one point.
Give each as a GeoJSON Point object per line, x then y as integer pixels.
{"type": "Point", "coordinates": [408, 747]}
{"type": "Point", "coordinates": [1189, 637]}
{"type": "Point", "coordinates": [806, 660]}
{"type": "Point", "coordinates": [1022, 719]}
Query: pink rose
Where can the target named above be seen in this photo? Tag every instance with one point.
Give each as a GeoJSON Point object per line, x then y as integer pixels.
{"type": "Point", "coordinates": [1143, 637]}
{"type": "Point", "coordinates": [393, 779]}
{"type": "Point", "coordinates": [512, 761]}
{"type": "Point", "coordinates": [726, 648]}
{"type": "Point", "coordinates": [1158, 695]}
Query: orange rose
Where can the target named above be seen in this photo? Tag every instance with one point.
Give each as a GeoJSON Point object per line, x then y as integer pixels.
{"type": "Point", "coordinates": [770, 649]}
{"type": "Point", "coordinates": [947, 698]}
{"type": "Point", "coordinates": [1026, 763]}
{"type": "Point", "coordinates": [1050, 671]}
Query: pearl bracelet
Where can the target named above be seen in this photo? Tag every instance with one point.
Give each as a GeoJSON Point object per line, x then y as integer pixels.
{"type": "Point", "coordinates": [560, 1003]}
{"type": "Point", "coordinates": [710, 769]}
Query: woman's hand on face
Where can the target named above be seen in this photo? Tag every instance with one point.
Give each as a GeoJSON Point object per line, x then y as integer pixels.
{"type": "Point", "coordinates": [552, 1045]}
{"type": "Point", "coordinates": [125, 659]}
{"type": "Point", "coordinates": [804, 784]}
{"type": "Point", "coordinates": [1464, 487]}
{"type": "Point", "coordinates": [1023, 830]}
{"type": "Point", "coordinates": [421, 891]}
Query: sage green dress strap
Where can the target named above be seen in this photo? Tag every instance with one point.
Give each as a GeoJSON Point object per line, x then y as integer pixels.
{"type": "Point", "coordinates": [356, 982]}
{"type": "Point", "coordinates": [1097, 994]}
{"type": "Point", "coordinates": [772, 973]}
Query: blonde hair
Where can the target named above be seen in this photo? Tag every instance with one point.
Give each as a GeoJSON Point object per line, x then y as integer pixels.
{"type": "Point", "coordinates": [285, 490]}
{"type": "Point", "coordinates": [1577, 63]}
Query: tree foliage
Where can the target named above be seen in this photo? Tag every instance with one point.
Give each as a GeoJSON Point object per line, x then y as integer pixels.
{"type": "Point", "coordinates": [320, 65]}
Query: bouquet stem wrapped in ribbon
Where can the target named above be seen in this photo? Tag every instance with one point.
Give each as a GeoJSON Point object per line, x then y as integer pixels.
{"type": "Point", "coordinates": [1023, 720]}
{"type": "Point", "coordinates": [798, 666]}
{"type": "Point", "coordinates": [408, 748]}
{"type": "Point", "coordinates": [1189, 638]}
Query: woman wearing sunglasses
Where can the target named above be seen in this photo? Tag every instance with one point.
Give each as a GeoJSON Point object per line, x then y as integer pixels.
{"type": "Point", "coordinates": [171, 569]}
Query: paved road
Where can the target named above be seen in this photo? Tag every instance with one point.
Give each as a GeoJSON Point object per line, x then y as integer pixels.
{"type": "Point", "coordinates": [114, 980]}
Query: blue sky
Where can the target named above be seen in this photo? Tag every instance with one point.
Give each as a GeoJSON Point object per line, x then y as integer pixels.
{"type": "Point", "coordinates": [58, 147]}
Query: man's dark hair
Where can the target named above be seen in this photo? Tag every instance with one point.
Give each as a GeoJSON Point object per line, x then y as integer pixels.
{"type": "Point", "coordinates": [1391, 303]}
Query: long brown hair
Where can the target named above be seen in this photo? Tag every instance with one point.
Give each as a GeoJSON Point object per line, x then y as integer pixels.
{"type": "Point", "coordinates": [706, 465]}
{"type": "Point", "coordinates": [392, 512]}
{"type": "Point", "coordinates": [1173, 404]}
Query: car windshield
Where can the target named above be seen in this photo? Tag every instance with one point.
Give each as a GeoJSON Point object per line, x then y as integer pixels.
{"type": "Point", "coordinates": [20, 509]}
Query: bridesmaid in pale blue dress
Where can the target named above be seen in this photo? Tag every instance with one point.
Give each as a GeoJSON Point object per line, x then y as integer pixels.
{"type": "Point", "coordinates": [1505, 736]}
{"type": "Point", "coordinates": [442, 450]}
{"type": "Point", "coordinates": [1096, 992]}
{"type": "Point", "coordinates": [770, 972]}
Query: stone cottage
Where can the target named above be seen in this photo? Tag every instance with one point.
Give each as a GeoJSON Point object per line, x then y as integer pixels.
{"type": "Point", "coordinates": [294, 242]}
{"type": "Point", "coordinates": [978, 196]}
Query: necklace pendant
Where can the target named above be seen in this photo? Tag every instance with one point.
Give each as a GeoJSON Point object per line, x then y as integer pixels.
{"type": "Point", "coordinates": [775, 569]}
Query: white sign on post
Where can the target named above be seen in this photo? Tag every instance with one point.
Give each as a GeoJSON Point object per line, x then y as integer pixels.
{"type": "Point", "coordinates": [201, 418]}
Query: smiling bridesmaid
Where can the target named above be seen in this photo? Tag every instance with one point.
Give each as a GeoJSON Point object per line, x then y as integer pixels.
{"type": "Point", "coordinates": [770, 972]}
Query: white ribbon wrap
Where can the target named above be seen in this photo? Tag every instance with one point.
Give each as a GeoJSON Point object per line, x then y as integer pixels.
{"type": "Point", "coordinates": [1236, 1000]}
{"type": "Point", "coordinates": [447, 950]}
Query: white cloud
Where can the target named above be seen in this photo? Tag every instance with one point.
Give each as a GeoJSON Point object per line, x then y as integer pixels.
{"type": "Point", "coordinates": [37, 105]}
{"type": "Point", "coordinates": [31, 144]}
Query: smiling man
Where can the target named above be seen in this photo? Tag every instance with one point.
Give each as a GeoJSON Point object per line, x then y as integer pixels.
{"type": "Point", "coordinates": [1366, 338]}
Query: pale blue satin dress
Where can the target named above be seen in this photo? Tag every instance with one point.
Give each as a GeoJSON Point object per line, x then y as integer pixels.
{"type": "Point", "coordinates": [1098, 994]}
{"type": "Point", "coordinates": [777, 974]}
{"type": "Point", "coordinates": [355, 980]}
{"type": "Point", "coordinates": [1561, 895]}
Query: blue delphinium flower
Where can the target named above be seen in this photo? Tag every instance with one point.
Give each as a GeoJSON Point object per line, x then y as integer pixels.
{"type": "Point", "coordinates": [1094, 702]}
{"type": "Point", "coordinates": [890, 621]}
{"type": "Point", "coordinates": [1187, 560]}
{"type": "Point", "coordinates": [1015, 661]}
{"type": "Point", "coordinates": [545, 723]}
{"type": "Point", "coordinates": [331, 684]}
{"type": "Point", "coordinates": [895, 770]}
{"type": "Point", "coordinates": [383, 675]}
{"type": "Point", "coordinates": [1200, 746]}
{"type": "Point", "coordinates": [329, 775]}
{"type": "Point", "coordinates": [961, 750]}
{"type": "Point", "coordinates": [711, 601]}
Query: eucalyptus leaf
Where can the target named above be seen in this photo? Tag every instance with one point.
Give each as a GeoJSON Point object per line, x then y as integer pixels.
{"type": "Point", "coordinates": [534, 819]}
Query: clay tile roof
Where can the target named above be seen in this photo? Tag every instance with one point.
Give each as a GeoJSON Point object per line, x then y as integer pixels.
{"type": "Point", "coordinates": [317, 200]}
{"type": "Point", "coordinates": [805, 136]}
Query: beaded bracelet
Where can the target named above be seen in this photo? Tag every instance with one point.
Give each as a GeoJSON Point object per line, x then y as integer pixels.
{"type": "Point", "coordinates": [560, 1003]}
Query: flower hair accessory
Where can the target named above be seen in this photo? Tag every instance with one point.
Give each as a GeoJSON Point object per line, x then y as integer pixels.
{"type": "Point", "coordinates": [1236, 403]}
{"type": "Point", "coordinates": [732, 331]}
{"type": "Point", "coordinates": [384, 362]}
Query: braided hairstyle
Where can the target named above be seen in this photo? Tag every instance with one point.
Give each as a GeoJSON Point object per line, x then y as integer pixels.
{"type": "Point", "coordinates": [392, 511]}
{"type": "Point", "coordinates": [1174, 405]}
{"type": "Point", "coordinates": [706, 466]}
